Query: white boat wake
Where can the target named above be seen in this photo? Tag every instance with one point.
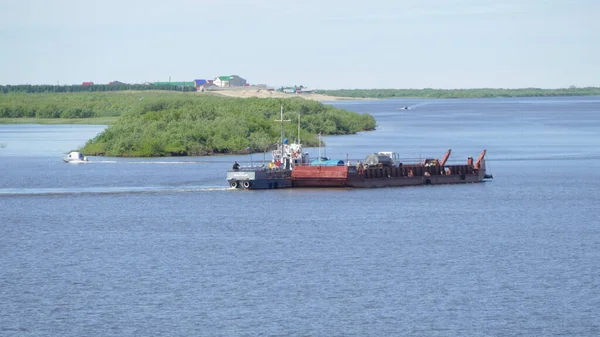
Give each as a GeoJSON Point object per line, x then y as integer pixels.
{"type": "Point", "coordinates": [133, 162]}
{"type": "Point", "coordinates": [107, 190]}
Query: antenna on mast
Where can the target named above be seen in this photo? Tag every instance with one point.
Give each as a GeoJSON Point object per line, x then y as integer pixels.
{"type": "Point", "coordinates": [319, 146]}
{"type": "Point", "coordinates": [282, 120]}
{"type": "Point", "coordinates": [281, 140]}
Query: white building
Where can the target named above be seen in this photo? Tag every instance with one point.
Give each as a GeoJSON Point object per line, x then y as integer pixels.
{"type": "Point", "coordinates": [229, 81]}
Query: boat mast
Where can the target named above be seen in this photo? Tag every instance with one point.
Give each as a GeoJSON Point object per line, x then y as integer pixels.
{"type": "Point", "coordinates": [319, 146]}
{"type": "Point", "coordinates": [281, 139]}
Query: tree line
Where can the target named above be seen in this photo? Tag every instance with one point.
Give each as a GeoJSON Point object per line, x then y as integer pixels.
{"type": "Point", "coordinates": [71, 105]}
{"type": "Point", "coordinates": [357, 93]}
{"type": "Point", "coordinates": [461, 93]}
{"type": "Point", "coordinates": [26, 88]}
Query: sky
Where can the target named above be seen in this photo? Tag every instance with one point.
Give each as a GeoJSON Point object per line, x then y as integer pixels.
{"type": "Point", "coordinates": [321, 44]}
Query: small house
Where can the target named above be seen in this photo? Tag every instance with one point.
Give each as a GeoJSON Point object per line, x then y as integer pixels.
{"type": "Point", "coordinates": [229, 81]}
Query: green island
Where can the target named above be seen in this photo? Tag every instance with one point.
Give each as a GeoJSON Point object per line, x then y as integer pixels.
{"type": "Point", "coordinates": [461, 93]}
{"type": "Point", "coordinates": [163, 123]}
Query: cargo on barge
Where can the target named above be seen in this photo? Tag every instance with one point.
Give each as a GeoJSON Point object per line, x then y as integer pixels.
{"type": "Point", "coordinates": [380, 170]}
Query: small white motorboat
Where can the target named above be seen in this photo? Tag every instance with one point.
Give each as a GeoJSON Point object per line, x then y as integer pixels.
{"type": "Point", "coordinates": [75, 158]}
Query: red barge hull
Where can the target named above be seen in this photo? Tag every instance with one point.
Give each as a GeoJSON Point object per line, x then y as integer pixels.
{"type": "Point", "coordinates": [389, 176]}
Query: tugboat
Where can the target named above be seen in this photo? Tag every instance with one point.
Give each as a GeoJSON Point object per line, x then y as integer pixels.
{"type": "Point", "coordinates": [278, 172]}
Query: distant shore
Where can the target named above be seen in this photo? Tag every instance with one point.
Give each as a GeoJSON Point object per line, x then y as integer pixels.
{"type": "Point", "coordinates": [461, 93]}
{"type": "Point", "coordinates": [321, 95]}
{"type": "Point", "coordinates": [264, 93]}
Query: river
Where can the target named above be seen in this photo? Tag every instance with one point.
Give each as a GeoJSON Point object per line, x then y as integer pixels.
{"type": "Point", "coordinates": [162, 246]}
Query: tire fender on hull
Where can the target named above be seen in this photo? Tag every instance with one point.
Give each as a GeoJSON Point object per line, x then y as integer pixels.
{"type": "Point", "coordinates": [247, 184]}
{"type": "Point", "coordinates": [234, 184]}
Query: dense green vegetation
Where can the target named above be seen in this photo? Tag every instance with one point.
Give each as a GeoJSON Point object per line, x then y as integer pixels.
{"type": "Point", "coordinates": [219, 125]}
{"type": "Point", "coordinates": [172, 123]}
{"type": "Point", "coordinates": [78, 104]}
{"type": "Point", "coordinates": [461, 93]}
{"type": "Point", "coordinates": [27, 88]}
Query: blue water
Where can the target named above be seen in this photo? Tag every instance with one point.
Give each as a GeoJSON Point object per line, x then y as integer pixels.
{"type": "Point", "coordinates": [161, 246]}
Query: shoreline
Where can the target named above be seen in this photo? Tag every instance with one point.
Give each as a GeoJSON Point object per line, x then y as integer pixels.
{"type": "Point", "coordinates": [263, 93]}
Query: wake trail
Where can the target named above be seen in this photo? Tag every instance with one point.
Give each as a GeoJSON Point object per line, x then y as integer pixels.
{"type": "Point", "coordinates": [114, 190]}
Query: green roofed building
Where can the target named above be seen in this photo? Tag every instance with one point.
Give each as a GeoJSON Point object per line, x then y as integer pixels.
{"type": "Point", "coordinates": [229, 81]}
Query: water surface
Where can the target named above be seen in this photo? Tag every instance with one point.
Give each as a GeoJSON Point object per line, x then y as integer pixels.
{"type": "Point", "coordinates": [161, 246]}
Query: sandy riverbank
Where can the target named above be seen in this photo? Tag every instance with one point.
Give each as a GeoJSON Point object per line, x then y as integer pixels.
{"type": "Point", "coordinates": [261, 93]}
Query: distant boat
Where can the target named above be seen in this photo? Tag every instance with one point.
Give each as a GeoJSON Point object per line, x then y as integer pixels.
{"type": "Point", "coordinates": [405, 107]}
{"type": "Point", "coordinates": [75, 158]}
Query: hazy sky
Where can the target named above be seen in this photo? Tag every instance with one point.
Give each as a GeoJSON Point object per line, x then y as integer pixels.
{"type": "Point", "coordinates": [322, 44]}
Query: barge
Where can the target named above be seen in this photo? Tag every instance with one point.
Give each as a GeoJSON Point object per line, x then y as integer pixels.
{"type": "Point", "coordinates": [381, 169]}
{"type": "Point", "coordinates": [291, 167]}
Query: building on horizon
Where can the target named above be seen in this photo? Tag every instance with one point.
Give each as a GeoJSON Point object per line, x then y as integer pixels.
{"type": "Point", "coordinates": [229, 81]}
{"type": "Point", "coordinates": [199, 83]}
{"type": "Point", "coordinates": [203, 84]}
